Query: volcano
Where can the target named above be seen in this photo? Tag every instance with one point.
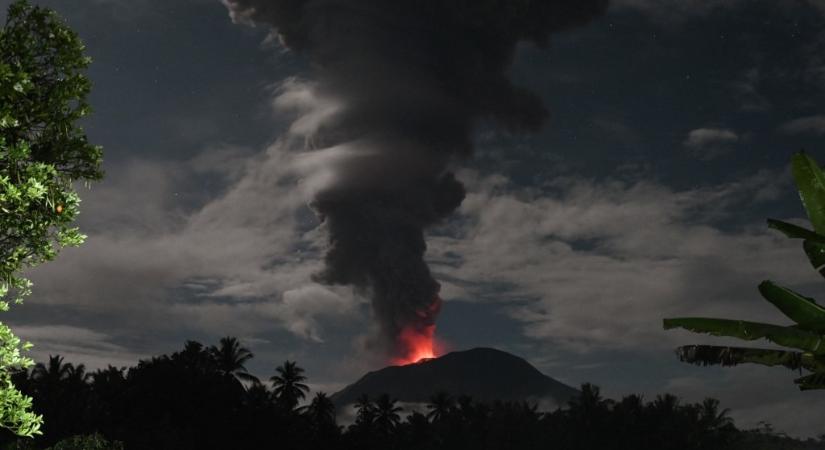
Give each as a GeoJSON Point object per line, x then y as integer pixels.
{"type": "Point", "coordinates": [485, 374]}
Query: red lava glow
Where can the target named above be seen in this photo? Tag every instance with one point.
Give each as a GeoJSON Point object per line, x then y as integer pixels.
{"type": "Point", "coordinates": [418, 343]}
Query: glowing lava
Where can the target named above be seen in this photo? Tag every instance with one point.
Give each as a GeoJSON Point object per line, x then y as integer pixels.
{"type": "Point", "coordinates": [417, 344]}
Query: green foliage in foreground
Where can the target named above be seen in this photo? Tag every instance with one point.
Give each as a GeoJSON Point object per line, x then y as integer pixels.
{"type": "Point", "coordinates": [42, 152]}
{"type": "Point", "coordinates": [94, 441]}
{"type": "Point", "coordinates": [808, 334]}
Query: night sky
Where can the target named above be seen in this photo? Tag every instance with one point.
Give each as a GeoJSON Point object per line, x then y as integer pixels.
{"type": "Point", "coordinates": [643, 196]}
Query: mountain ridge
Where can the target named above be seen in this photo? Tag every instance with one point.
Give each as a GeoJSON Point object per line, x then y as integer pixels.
{"type": "Point", "coordinates": [483, 373]}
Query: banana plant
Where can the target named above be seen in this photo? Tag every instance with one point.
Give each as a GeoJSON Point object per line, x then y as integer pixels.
{"type": "Point", "coordinates": [807, 337]}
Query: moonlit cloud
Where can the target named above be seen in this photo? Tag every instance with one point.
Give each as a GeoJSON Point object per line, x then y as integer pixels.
{"type": "Point", "coordinates": [810, 125]}
{"type": "Point", "coordinates": [710, 143]}
{"type": "Point", "coordinates": [633, 253]}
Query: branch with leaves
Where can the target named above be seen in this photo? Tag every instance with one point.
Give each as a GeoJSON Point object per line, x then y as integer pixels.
{"type": "Point", "coordinates": [807, 337]}
{"type": "Point", "coordinates": [43, 151]}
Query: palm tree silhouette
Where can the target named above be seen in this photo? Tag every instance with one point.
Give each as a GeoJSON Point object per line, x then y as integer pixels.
{"type": "Point", "coordinates": [76, 375]}
{"type": "Point", "coordinates": [288, 388]}
{"type": "Point", "coordinates": [321, 411]}
{"type": "Point", "coordinates": [386, 414]}
{"type": "Point", "coordinates": [440, 405]}
{"type": "Point", "coordinates": [710, 415]}
{"type": "Point", "coordinates": [366, 411]}
{"type": "Point", "coordinates": [230, 358]}
{"type": "Point", "coordinates": [258, 396]}
{"type": "Point", "coordinates": [52, 374]}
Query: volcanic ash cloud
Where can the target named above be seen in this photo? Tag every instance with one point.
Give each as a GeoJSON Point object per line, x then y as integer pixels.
{"type": "Point", "coordinates": [397, 87]}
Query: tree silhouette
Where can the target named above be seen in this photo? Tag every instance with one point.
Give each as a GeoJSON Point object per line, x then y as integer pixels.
{"type": "Point", "coordinates": [386, 414]}
{"type": "Point", "coordinates": [184, 401]}
{"type": "Point", "coordinates": [230, 358]}
{"type": "Point", "coordinates": [288, 388]}
{"type": "Point", "coordinates": [258, 396]}
{"type": "Point", "coordinates": [365, 409]}
{"type": "Point", "coordinates": [440, 405]}
{"type": "Point", "coordinates": [52, 374]}
{"type": "Point", "coordinates": [711, 416]}
{"type": "Point", "coordinates": [321, 410]}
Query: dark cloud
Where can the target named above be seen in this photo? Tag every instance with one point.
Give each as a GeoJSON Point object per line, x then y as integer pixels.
{"type": "Point", "coordinates": [411, 79]}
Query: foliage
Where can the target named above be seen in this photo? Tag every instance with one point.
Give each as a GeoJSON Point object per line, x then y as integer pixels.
{"type": "Point", "coordinates": [287, 385]}
{"type": "Point", "coordinates": [808, 333]}
{"type": "Point", "coordinates": [186, 400]}
{"type": "Point", "coordinates": [87, 442]}
{"type": "Point", "coordinates": [42, 151]}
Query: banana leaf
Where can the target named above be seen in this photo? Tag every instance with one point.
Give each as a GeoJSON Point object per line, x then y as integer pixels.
{"type": "Point", "coordinates": [811, 184]}
{"type": "Point", "coordinates": [785, 336]}
{"type": "Point", "coordinates": [802, 310]}
{"type": "Point", "coordinates": [795, 231]}
{"type": "Point", "coordinates": [708, 355]}
{"type": "Point", "coordinates": [812, 381]}
{"type": "Point", "coordinates": [816, 255]}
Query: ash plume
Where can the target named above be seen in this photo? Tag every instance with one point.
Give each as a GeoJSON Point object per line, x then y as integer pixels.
{"type": "Point", "coordinates": [409, 79]}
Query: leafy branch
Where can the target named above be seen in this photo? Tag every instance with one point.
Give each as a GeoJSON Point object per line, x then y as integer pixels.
{"type": "Point", "coordinates": [807, 336]}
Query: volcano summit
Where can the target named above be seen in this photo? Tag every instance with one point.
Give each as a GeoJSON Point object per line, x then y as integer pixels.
{"type": "Point", "coordinates": [485, 374]}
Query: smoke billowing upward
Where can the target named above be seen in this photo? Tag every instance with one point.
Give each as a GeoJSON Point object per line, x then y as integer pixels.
{"type": "Point", "coordinates": [408, 80]}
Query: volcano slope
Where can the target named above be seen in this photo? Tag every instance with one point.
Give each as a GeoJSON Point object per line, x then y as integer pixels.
{"type": "Point", "coordinates": [485, 374]}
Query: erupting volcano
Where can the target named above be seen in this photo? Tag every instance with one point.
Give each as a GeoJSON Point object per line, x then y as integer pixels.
{"type": "Point", "coordinates": [398, 87]}
{"type": "Point", "coordinates": [416, 341]}
{"type": "Point", "coordinates": [418, 345]}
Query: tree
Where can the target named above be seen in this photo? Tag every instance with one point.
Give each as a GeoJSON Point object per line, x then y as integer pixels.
{"type": "Point", "coordinates": [440, 405]}
{"type": "Point", "coordinates": [287, 385]}
{"type": "Point", "coordinates": [386, 414]}
{"type": "Point", "coordinates": [53, 373]}
{"type": "Point", "coordinates": [365, 411]}
{"type": "Point", "coordinates": [42, 152]}
{"type": "Point", "coordinates": [230, 358]}
{"type": "Point", "coordinates": [808, 332]}
{"type": "Point", "coordinates": [321, 409]}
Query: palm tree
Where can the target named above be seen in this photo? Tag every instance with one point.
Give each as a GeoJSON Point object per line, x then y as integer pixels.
{"type": "Point", "coordinates": [440, 405]}
{"type": "Point", "coordinates": [230, 358]}
{"type": "Point", "coordinates": [321, 411]}
{"type": "Point", "coordinates": [288, 388]}
{"type": "Point", "coordinates": [386, 414]}
{"type": "Point", "coordinates": [258, 396]}
{"type": "Point", "coordinates": [54, 373]}
{"type": "Point", "coordinates": [366, 411]}
{"type": "Point", "coordinates": [710, 415]}
{"type": "Point", "coordinates": [76, 375]}
{"type": "Point", "coordinates": [665, 405]}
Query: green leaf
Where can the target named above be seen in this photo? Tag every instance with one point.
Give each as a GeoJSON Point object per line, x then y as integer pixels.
{"type": "Point", "coordinates": [812, 381]}
{"type": "Point", "coordinates": [816, 255]}
{"type": "Point", "coordinates": [785, 336]}
{"type": "Point", "coordinates": [802, 310]}
{"type": "Point", "coordinates": [795, 232]}
{"type": "Point", "coordinates": [706, 355]}
{"type": "Point", "coordinates": [811, 184]}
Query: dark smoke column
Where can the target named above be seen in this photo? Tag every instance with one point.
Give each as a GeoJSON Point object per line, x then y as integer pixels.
{"type": "Point", "coordinates": [411, 78]}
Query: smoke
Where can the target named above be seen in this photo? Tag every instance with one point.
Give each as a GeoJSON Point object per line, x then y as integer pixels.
{"type": "Point", "coordinates": [401, 84]}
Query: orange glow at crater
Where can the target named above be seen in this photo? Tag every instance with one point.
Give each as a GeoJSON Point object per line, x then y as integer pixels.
{"type": "Point", "coordinates": [418, 345]}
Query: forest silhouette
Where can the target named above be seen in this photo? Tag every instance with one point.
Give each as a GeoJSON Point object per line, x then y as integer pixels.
{"type": "Point", "coordinates": [204, 398]}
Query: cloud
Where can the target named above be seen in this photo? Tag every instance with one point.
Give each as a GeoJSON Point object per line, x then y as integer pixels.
{"type": "Point", "coordinates": [804, 125]}
{"type": "Point", "coordinates": [163, 249]}
{"type": "Point", "coordinates": [588, 265]}
{"type": "Point", "coordinates": [676, 12]}
{"type": "Point", "coordinates": [77, 345]}
{"type": "Point", "coordinates": [710, 143]}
